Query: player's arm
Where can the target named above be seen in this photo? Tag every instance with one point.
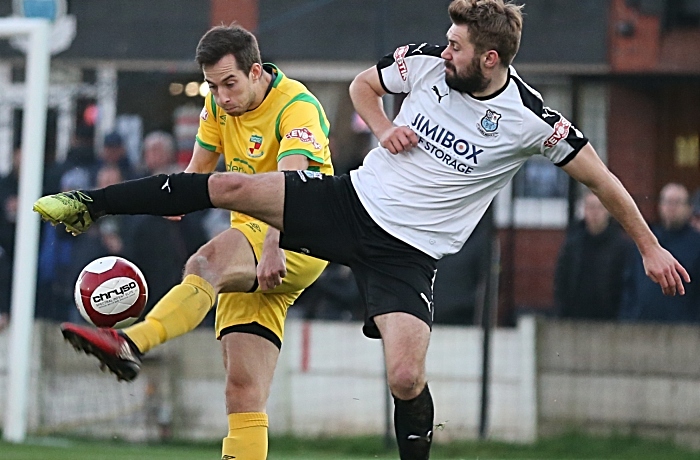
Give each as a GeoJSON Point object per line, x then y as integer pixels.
{"type": "Point", "coordinates": [587, 168]}
{"type": "Point", "coordinates": [208, 145]}
{"type": "Point", "coordinates": [272, 266]}
{"type": "Point", "coordinates": [203, 160]}
{"type": "Point", "coordinates": [366, 92]}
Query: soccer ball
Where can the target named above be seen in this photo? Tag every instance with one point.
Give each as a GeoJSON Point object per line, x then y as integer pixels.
{"type": "Point", "coordinates": [111, 292]}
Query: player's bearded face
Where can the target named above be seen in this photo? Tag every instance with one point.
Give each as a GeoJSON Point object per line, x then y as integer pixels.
{"type": "Point", "coordinates": [469, 79]}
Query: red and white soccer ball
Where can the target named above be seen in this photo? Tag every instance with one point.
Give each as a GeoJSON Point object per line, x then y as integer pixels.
{"type": "Point", "coordinates": [111, 292]}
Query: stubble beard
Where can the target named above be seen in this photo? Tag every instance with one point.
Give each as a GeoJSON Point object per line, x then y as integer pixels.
{"type": "Point", "coordinates": [471, 80]}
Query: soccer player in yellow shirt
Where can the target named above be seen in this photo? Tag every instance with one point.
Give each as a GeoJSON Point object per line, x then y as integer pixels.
{"type": "Point", "coordinates": [261, 121]}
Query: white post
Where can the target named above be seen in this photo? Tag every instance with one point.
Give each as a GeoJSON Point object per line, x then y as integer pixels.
{"type": "Point", "coordinates": [65, 124]}
{"type": "Point", "coordinates": [27, 234]}
{"type": "Point", "coordinates": [106, 103]}
{"type": "Point", "coordinates": [5, 119]}
{"type": "Point", "coordinates": [527, 329]}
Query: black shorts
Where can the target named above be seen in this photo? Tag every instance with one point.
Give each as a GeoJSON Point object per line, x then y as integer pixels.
{"type": "Point", "coordinates": [323, 217]}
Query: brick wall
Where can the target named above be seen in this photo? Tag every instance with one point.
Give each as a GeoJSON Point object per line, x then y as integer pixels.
{"type": "Point", "coordinates": [244, 12]}
{"type": "Point", "coordinates": [633, 143]}
{"type": "Point", "coordinates": [527, 273]}
{"type": "Point", "coordinates": [647, 46]}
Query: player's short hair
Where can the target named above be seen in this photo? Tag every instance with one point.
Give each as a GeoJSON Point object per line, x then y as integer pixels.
{"type": "Point", "coordinates": [493, 25]}
{"type": "Point", "coordinates": [222, 40]}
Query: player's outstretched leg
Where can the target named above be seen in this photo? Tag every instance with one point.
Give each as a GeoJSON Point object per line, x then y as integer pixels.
{"type": "Point", "coordinates": [260, 196]}
{"type": "Point", "coordinates": [112, 349]}
{"type": "Point", "coordinates": [162, 195]}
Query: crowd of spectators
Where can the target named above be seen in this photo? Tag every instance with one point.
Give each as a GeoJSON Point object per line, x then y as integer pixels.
{"type": "Point", "coordinates": [598, 276]}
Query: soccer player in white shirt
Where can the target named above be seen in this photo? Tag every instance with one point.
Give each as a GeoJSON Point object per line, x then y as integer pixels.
{"type": "Point", "coordinates": [468, 123]}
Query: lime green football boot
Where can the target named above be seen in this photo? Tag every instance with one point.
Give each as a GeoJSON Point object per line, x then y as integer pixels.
{"type": "Point", "coordinates": [68, 208]}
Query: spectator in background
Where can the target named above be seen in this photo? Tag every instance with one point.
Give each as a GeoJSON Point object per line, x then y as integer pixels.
{"type": "Point", "coordinates": [695, 212]}
{"type": "Point", "coordinates": [160, 247]}
{"type": "Point", "coordinates": [589, 273]}
{"type": "Point", "coordinates": [112, 231]}
{"type": "Point", "coordinates": [114, 153]}
{"type": "Point", "coordinates": [5, 288]}
{"type": "Point", "coordinates": [159, 154]}
{"type": "Point", "coordinates": [8, 220]}
{"type": "Point", "coordinates": [641, 301]}
{"type": "Point", "coordinates": [81, 154]}
{"type": "Point", "coordinates": [8, 205]}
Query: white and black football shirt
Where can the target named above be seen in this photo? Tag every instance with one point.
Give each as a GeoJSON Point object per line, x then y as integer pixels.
{"type": "Point", "coordinates": [433, 195]}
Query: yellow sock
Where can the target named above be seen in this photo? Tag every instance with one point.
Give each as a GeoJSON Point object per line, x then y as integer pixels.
{"type": "Point", "coordinates": [178, 312]}
{"type": "Point", "coordinates": [247, 437]}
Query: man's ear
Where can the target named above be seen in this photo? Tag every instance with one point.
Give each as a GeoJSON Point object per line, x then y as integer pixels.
{"type": "Point", "coordinates": [491, 59]}
{"type": "Point", "coordinates": [255, 71]}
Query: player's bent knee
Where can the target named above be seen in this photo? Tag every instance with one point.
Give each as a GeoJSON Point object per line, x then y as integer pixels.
{"type": "Point", "coordinates": [199, 264]}
{"type": "Point", "coordinates": [406, 382]}
{"type": "Point", "coordinates": [245, 397]}
{"type": "Point", "coordinates": [195, 265]}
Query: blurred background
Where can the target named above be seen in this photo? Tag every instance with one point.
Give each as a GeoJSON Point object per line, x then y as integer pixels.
{"type": "Point", "coordinates": [544, 321]}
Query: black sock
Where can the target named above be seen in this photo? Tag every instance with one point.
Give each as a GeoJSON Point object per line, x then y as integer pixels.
{"type": "Point", "coordinates": [413, 422]}
{"type": "Point", "coordinates": [161, 195]}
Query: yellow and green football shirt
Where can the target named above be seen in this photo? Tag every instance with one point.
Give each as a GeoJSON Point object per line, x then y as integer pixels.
{"type": "Point", "coordinates": [289, 121]}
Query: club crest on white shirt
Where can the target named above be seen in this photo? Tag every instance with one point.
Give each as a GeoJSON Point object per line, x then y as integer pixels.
{"type": "Point", "coordinates": [489, 123]}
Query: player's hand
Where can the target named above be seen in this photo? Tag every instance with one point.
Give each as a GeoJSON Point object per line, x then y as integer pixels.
{"type": "Point", "coordinates": [174, 218]}
{"type": "Point", "coordinates": [665, 270]}
{"type": "Point", "coordinates": [398, 139]}
{"type": "Point", "coordinates": [271, 268]}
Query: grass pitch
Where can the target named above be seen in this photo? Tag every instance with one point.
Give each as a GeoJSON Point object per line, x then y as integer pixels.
{"type": "Point", "coordinates": [570, 447]}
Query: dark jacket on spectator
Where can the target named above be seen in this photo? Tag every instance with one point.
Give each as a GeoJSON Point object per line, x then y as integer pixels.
{"type": "Point", "coordinates": [643, 299]}
{"type": "Point", "coordinates": [589, 273]}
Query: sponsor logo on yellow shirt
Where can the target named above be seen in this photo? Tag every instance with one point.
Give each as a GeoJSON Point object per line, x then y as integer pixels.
{"type": "Point", "coordinates": [304, 135]}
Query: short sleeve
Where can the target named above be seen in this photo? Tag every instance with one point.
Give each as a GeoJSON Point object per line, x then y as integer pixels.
{"type": "Point", "coordinates": [208, 134]}
{"type": "Point", "coordinates": [302, 129]}
{"type": "Point", "coordinates": [399, 70]}
{"type": "Point", "coordinates": [561, 140]}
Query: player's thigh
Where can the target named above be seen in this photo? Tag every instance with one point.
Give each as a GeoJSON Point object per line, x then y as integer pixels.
{"type": "Point", "coordinates": [255, 313]}
{"type": "Point", "coordinates": [257, 195]}
{"type": "Point", "coordinates": [302, 270]}
{"type": "Point", "coordinates": [250, 362]}
{"type": "Point", "coordinates": [227, 261]}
